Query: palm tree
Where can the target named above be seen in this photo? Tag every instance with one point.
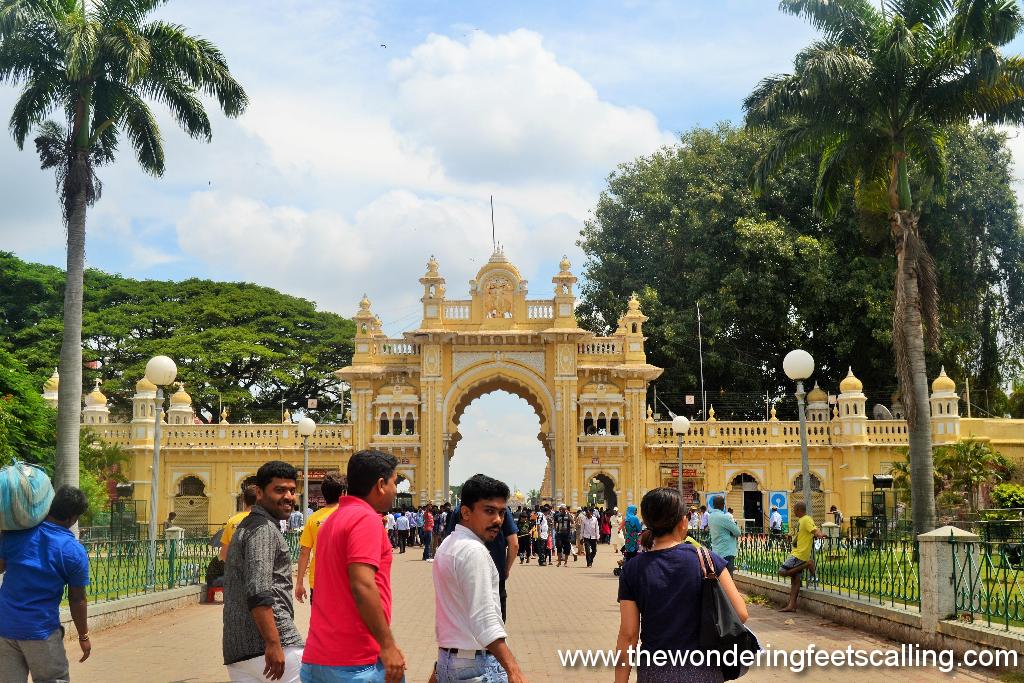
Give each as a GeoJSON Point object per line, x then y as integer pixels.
{"type": "Point", "coordinates": [970, 465]}
{"type": "Point", "coordinates": [873, 97]}
{"type": "Point", "coordinates": [96, 64]}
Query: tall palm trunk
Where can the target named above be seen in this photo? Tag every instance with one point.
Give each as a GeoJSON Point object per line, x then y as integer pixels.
{"type": "Point", "coordinates": [69, 391]}
{"type": "Point", "coordinates": [913, 264]}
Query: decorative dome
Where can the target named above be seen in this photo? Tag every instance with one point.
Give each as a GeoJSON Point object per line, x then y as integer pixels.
{"type": "Point", "coordinates": [96, 397]}
{"type": "Point", "coordinates": [817, 395]}
{"type": "Point", "coordinates": [144, 385]}
{"type": "Point", "coordinates": [432, 266]}
{"type": "Point", "coordinates": [634, 303]}
{"type": "Point", "coordinates": [180, 397]}
{"type": "Point", "coordinates": [943, 383]}
{"type": "Point", "coordinates": [52, 383]}
{"type": "Point", "coordinates": [364, 303]}
{"type": "Point", "coordinates": [851, 384]}
{"type": "Point", "coordinates": [564, 264]}
{"type": "Point", "coordinates": [498, 256]}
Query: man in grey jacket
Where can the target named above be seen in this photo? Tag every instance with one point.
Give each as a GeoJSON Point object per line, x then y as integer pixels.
{"type": "Point", "coordinates": [260, 638]}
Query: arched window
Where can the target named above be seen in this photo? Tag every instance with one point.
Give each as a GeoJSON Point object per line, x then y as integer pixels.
{"type": "Point", "coordinates": [613, 426]}
{"type": "Point", "coordinates": [588, 424]}
{"type": "Point", "coordinates": [384, 424]}
{"type": "Point", "coordinates": [396, 424]}
{"type": "Point", "coordinates": [602, 424]}
{"type": "Point", "coordinates": [634, 328]}
{"type": "Point", "coordinates": [410, 423]}
{"type": "Point", "coordinates": [191, 486]}
{"type": "Point", "coordinates": [798, 482]}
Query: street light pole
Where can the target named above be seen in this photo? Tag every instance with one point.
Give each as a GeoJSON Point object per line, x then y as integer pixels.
{"type": "Point", "coordinates": [798, 366]}
{"type": "Point", "coordinates": [680, 426]}
{"type": "Point", "coordinates": [306, 427]}
{"type": "Point", "coordinates": [160, 370]}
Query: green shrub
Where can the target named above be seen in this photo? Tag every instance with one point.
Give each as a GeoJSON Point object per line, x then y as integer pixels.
{"type": "Point", "coordinates": [1007, 495]}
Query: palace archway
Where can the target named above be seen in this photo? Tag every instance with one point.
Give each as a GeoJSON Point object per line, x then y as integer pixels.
{"type": "Point", "coordinates": [408, 394]}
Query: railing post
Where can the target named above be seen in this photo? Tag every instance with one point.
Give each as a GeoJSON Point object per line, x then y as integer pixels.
{"type": "Point", "coordinates": [938, 592]}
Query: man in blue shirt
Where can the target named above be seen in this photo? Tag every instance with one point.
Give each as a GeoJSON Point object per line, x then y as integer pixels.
{"type": "Point", "coordinates": [724, 532]}
{"type": "Point", "coordinates": [37, 564]}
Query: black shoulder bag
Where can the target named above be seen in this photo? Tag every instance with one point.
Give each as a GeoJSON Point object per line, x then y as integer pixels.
{"type": "Point", "coordinates": [720, 628]}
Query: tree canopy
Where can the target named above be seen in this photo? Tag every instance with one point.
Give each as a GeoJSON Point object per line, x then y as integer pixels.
{"type": "Point", "coordinates": [682, 226]}
{"type": "Point", "coordinates": [237, 344]}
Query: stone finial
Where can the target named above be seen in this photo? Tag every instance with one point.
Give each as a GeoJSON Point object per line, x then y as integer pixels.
{"type": "Point", "coordinates": [711, 414]}
{"type": "Point", "coordinates": [432, 266]}
{"type": "Point", "coordinates": [650, 414]}
{"type": "Point", "coordinates": [634, 304]}
{"type": "Point", "coordinates": [364, 303]}
{"type": "Point", "coordinates": [564, 264]}
{"type": "Point", "coordinates": [774, 417]}
{"type": "Point", "coordinates": [224, 415]}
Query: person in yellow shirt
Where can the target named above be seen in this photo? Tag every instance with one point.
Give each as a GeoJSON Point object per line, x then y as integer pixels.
{"type": "Point", "coordinates": [333, 487]}
{"type": "Point", "coordinates": [248, 499]}
{"type": "Point", "coordinates": [805, 531]}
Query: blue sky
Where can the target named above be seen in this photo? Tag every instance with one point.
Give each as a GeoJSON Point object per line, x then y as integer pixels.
{"type": "Point", "coordinates": [376, 134]}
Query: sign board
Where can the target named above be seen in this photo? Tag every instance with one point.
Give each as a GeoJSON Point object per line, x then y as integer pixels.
{"type": "Point", "coordinates": [709, 496]}
{"type": "Point", "coordinates": [595, 461]}
{"type": "Point", "coordinates": [311, 404]}
{"type": "Point", "coordinates": [779, 499]}
{"type": "Point", "coordinates": [404, 461]}
{"type": "Point", "coordinates": [688, 472]}
{"type": "Point", "coordinates": [690, 399]}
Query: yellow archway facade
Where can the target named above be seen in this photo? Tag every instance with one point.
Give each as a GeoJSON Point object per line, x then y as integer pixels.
{"type": "Point", "coordinates": [409, 394]}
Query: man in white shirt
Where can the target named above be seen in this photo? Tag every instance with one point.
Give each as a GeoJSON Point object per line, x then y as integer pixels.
{"type": "Point", "coordinates": [543, 530]}
{"type": "Point", "coordinates": [389, 526]}
{"type": "Point", "coordinates": [467, 620]}
{"type": "Point", "coordinates": [402, 527]}
{"type": "Point", "coordinates": [775, 526]}
{"type": "Point", "coordinates": [591, 531]}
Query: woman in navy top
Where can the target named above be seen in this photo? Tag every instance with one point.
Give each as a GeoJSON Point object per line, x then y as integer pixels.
{"type": "Point", "coordinates": [660, 598]}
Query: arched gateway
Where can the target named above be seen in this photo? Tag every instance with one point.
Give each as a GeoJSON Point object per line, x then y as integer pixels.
{"type": "Point", "coordinates": [409, 394]}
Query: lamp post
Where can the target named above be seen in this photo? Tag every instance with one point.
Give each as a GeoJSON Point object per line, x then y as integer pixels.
{"type": "Point", "coordinates": [306, 427]}
{"type": "Point", "coordinates": [161, 371]}
{"type": "Point", "coordinates": [680, 426]}
{"type": "Point", "coordinates": [798, 366]}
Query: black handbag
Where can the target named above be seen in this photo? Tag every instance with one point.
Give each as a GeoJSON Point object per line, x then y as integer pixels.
{"type": "Point", "coordinates": [720, 628]}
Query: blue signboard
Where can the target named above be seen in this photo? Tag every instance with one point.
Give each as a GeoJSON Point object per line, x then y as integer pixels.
{"type": "Point", "coordinates": [780, 500]}
{"type": "Point", "coordinates": [709, 496]}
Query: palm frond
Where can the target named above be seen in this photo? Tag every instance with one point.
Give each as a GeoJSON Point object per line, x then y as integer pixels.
{"type": "Point", "coordinates": [126, 51]}
{"type": "Point", "coordinates": [977, 22]}
{"type": "Point", "coordinates": [140, 126]}
{"type": "Point", "coordinates": [197, 62]}
{"type": "Point", "coordinates": [38, 98]}
{"type": "Point", "coordinates": [931, 13]}
{"type": "Point", "coordinates": [131, 12]}
{"type": "Point", "coordinates": [82, 40]}
{"type": "Point", "coordinates": [845, 22]}
{"type": "Point", "coordinates": [186, 108]}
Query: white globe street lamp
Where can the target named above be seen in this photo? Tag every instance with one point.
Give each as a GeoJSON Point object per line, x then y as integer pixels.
{"type": "Point", "coordinates": [680, 426]}
{"type": "Point", "coordinates": [161, 371]}
{"type": "Point", "coordinates": [305, 428]}
{"type": "Point", "coordinates": [798, 366]}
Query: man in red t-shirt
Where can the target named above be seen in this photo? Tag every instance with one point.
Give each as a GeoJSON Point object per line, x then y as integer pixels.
{"type": "Point", "coordinates": [428, 532]}
{"type": "Point", "coordinates": [350, 635]}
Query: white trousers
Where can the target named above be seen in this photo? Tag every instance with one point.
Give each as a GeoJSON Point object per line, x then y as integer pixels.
{"type": "Point", "coordinates": [251, 670]}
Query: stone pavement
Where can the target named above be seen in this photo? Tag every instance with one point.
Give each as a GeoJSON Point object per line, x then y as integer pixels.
{"type": "Point", "coordinates": [549, 608]}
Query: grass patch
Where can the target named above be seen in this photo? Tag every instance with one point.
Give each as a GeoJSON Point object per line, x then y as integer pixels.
{"type": "Point", "coordinates": [758, 599]}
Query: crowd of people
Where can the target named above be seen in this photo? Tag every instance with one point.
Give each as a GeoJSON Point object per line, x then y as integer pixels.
{"type": "Point", "coordinates": [347, 550]}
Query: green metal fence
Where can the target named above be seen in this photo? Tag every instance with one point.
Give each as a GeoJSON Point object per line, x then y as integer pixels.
{"type": "Point", "coordinates": [120, 569]}
{"type": "Point", "coordinates": [988, 579]}
{"type": "Point", "coordinates": [880, 570]}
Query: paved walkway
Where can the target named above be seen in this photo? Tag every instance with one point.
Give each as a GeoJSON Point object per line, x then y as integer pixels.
{"type": "Point", "coordinates": [549, 608]}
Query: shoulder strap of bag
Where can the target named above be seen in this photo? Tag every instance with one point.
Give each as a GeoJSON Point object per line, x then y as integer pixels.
{"type": "Point", "coordinates": [707, 565]}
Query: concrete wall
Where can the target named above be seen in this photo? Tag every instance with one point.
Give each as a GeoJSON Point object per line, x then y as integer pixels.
{"type": "Point", "coordinates": [116, 612]}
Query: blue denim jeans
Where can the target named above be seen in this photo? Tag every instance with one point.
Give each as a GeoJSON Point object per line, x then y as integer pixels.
{"type": "Point", "coordinates": [366, 673]}
{"type": "Point", "coordinates": [481, 669]}
{"type": "Point", "coordinates": [428, 538]}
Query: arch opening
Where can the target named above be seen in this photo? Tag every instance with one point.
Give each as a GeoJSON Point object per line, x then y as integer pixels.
{"type": "Point", "coordinates": [499, 434]}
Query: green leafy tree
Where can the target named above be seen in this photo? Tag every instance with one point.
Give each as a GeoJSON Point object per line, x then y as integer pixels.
{"type": "Point", "coordinates": [1008, 495]}
{"type": "Point", "coordinates": [682, 226]}
{"type": "Point", "coordinates": [969, 465]}
{"type": "Point", "coordinates": [249, 347]}
{"type": "Point", "coordinates": [872, 97]}
{"type": "Point", "coordinates": [26, 422]}
{"type": "Point", "coordinates": [97, 64]}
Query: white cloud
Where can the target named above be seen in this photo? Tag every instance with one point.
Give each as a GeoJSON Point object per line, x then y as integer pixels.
{"type": "Point", "coordinates": [503, 108]}
{"type": "Point", "coordinates": [382, 250]}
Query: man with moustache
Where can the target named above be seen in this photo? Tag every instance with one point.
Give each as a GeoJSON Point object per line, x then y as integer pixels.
{"type": "Point", "coordinates": [260, 640]}
{"type": "Point", "coordinates": [468, 624]}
